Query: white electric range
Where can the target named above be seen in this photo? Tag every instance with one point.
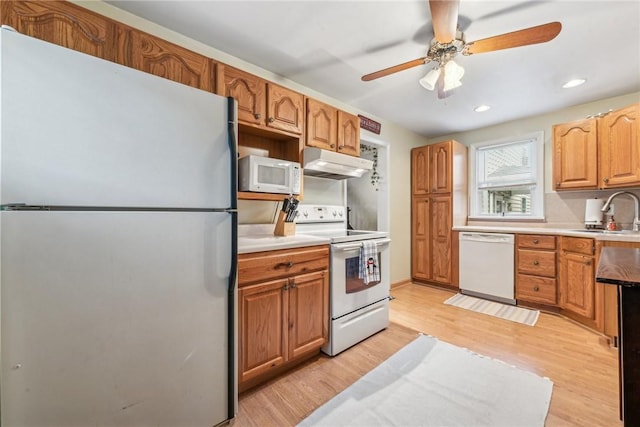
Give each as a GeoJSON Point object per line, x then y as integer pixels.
{"type": "Point", "coordinates": [357, 310]}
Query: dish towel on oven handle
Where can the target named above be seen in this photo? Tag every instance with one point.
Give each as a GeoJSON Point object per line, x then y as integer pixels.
{"type": "Point", "coordinates": [369, 269]}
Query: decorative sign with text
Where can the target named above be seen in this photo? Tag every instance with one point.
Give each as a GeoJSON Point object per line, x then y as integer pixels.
{"type": "Point", "coordinates": [370, 125]}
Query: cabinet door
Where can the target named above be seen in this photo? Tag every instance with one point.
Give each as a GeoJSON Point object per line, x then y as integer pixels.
{"type": "Point", "coordinates": [620, 145]}
{"type": "Point", "coordinates": [308, 326]}
{"type": "Point", "coordinates": [249, 91]}
{"type": "Point", "coordinates": [420, 239]}
{"type": "Point", "coordinates": [161, 58]}
{"type": "Point", "coordinates": [64, 24]}
{"type": "Point", "coordinates": [263, 310]}
{"type": "Point", "coordinates": [441, 239]}
{"type": "Point", "coordinates": [348, 134]}
{"type": "Point", "coordinates": [577, 283]}
{"type": "Point", "coordinates": [440, 167]}
{"type": "Point", "coordinates": [285, 109]}
{"type": "Point", "coordinates": [420, 171]}
{"type": "Point", "coordinates": [322, 126]}
{"type": "Point", "coordinates": [575, 155]}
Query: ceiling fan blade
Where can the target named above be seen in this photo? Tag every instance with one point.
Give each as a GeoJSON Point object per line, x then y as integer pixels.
{"type": "Point", "coordinates": [444, 15]}
{"type": "Point", "coordinates": [534, 35]}
{"type": "Point", "coordinates": [395, 69]}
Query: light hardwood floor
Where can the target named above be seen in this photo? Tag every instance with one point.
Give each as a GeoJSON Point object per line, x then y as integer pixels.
{"type": "Point", "coordinates": [584, 372]}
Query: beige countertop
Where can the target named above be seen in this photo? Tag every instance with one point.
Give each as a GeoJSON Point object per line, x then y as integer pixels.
{"type": "Point", "coordinates": [259, 237]}
{"type": "Point", "coordinates": [624, 236]}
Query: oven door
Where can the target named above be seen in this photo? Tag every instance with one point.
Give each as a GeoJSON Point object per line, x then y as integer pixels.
{"type": "Point", "coordinates": [348, 291]}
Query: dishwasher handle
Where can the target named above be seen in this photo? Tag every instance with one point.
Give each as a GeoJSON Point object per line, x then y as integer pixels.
{"type": "Point", "coordinates": [487, 237]}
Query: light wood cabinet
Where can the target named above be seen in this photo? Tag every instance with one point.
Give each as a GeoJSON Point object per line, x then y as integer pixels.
{"type": "Point", "coordinates": [332, 129]}
{"type": "Point", "coordinates": [155, 56]}
{"type": "Point", "coordinates": [283, 311]}
{"type": "Point", "coordinates": [438, 203]}
{"type": "Point", "coordinates": [536, 269]}
{"type": "Point", "coordinates": [348, 134]}
{"type": "Point", "coordinates": [602, 152]}
{"type": "Point", "coordinates": [575, 155]}
{"type": "Point", "coordinates": [264, 104]}
{"type": "Point", "coordinates": [270, 117]}
{"type": "Point", "coordinates": [577, 277]}
{"type": "Point", "coordinates": [64, 24]}
{"type": "Point", "coordinates": [620, 148]}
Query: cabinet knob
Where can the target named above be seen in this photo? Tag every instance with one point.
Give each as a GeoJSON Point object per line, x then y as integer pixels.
{"type": "Point", "coordinates": [271, 120]}
{"type": "Point", "coordinates": [257, 116]}
{"type": "Point", "coordinates": [332, 145]}
{"type": "Point", "coordinates": [605, 180]}
{"type": "Point", "coordinates": [557, 184]}
{"type": "Point", "coordinates": [536, 289]}
{"type": "Point", "coordinates": [293, 286]}
{"type": "Point", "coordinates": [535, 242]}
{"type": "Point", "coordinates": [587, 263]}
{"type": "Point", "coordinates": [535, 262]}
{"type": "Point", "coordinates": [286, 287]}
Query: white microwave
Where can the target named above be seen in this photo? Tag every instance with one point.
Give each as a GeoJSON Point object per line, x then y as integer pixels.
{"type": "Point", "coordinates": [267, 175]}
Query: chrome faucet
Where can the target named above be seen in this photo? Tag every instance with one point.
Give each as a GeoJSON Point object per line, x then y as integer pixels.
{"type": "Point", "coordinates": [636, 218]}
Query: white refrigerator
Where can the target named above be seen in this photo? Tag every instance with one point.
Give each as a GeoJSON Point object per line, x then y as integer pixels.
{"type": "Point", "coordinates": [117, 244]}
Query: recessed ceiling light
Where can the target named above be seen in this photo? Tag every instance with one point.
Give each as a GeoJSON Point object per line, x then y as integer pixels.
{"type": "Point", "coordinates": [481, 108]}
{"type": "Point", "coordinates": [573, 83]}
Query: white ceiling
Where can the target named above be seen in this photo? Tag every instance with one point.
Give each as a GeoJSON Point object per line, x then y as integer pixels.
{"type": "Point", "coordinates": [328, 45]}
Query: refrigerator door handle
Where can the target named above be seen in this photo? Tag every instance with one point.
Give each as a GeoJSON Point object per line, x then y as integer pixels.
{"type": "Point", "coordinates": [233, 149]}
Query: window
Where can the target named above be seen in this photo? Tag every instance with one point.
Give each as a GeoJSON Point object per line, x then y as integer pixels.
{"type": "Point", "coordinates": [506, 178]}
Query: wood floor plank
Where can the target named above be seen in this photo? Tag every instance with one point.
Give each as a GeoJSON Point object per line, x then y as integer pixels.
{"type": "Point", "coordinates": [584, 371]}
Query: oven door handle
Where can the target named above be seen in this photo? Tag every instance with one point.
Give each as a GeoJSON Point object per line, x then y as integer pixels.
{"type": "Point", "coordinates": [357, 245]}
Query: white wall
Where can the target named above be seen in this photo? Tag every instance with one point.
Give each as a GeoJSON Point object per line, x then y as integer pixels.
{"type": "Point", "coordinates": [400, 140]}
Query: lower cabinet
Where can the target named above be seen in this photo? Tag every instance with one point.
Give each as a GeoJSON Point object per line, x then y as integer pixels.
{"type": "Point", "coordinates": [284, 316]}
{"type": "Point", "coordinates": [536, 269]}
{"type": "Point", "coordinates": [577, 277]}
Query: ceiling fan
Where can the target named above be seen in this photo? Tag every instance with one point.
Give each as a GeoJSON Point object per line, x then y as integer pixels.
{"type": "Point", "coordinates": [449, 41]}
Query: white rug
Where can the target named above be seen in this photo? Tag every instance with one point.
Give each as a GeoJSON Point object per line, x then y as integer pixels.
{"type": "Point", "coordinates": [433, 383]}
{"type": "Point", "coordinates": [496, 309]}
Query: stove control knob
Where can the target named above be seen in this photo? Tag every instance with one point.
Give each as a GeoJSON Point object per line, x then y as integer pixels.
{"type": "Point", "coordinates": [340, 213]}
{"type": "Point", "coordinates": [305, 213]}
{"type": "Point", "coordinates": [335, 213]}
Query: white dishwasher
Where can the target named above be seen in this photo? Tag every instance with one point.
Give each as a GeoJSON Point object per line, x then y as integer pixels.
{"type": "Point", "coordinates": [486, 266]}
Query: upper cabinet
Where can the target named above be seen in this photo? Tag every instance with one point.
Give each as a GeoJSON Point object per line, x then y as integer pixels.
{"type": "Point", "coordinates": [599, 152]}
{"type": "Point", "coordinates": [431, 169]}
{"type": "Point", "coordinates": [155, 56]}
{"type": "Point", "coordinates": [331, 129]}
{"type": "Point", "coordinates": [64, 24]}
{"type": "Point", "coordinates": [348, 134]}
{"type": "Point", "coordinates": [575, 155]}
{"type": "Point", "coordinates": [264, 104]}
{"type": "Point", "coordinates": [620, 148]}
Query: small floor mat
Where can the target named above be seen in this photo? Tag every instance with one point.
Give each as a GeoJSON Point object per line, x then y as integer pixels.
{"type": "Point", "coordinates": [496, 309]}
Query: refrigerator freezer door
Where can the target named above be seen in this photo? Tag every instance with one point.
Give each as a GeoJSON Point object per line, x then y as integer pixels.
{"type": "Point", "coordinates": [78, 130]}
{"type": "Point", "coordinates": [115, 318]}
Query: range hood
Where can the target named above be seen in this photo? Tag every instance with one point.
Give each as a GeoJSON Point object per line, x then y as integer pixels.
{"type": "Point", "coordinates": [329, 164]}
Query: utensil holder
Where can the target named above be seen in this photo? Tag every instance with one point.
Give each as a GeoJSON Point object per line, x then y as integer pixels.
{"type": "Point", "coordinates": [283, 228]}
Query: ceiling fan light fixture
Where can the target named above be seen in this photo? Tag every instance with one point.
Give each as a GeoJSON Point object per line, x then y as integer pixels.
{"type": "Point", "coordinates": [429, 81]}
{"type": "Point", "coordinates": [452, 75]}
{"type": "Point", "coordinates": [573, 83]}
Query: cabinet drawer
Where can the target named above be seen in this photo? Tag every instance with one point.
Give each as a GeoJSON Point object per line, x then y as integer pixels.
{"type": "Point", "coordinates": [536, 289]}
{"type": "Point", "coordinates": [535, 241]}
{"type": "Point", "coordinates": [537, 263]}
{"type": "Point", "coordinates": [578, 245]}
{"type": "Point", "coordinates": [261, 266]}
